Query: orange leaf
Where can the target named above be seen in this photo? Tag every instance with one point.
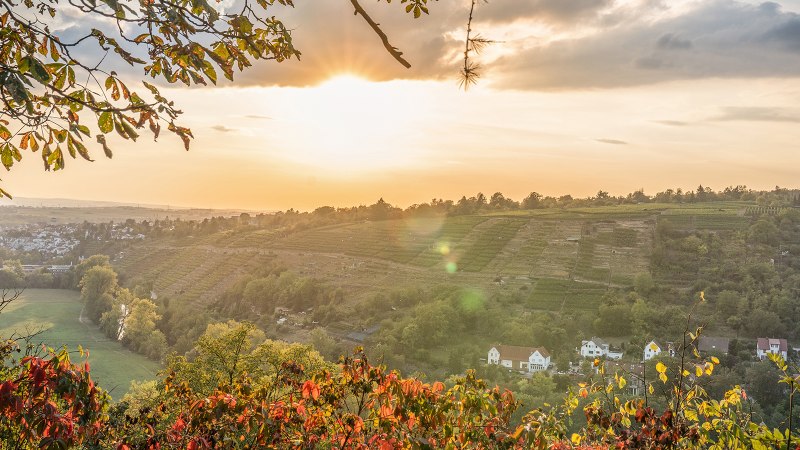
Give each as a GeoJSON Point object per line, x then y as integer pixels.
{"type": "Point", "coordinates": [310, 390]}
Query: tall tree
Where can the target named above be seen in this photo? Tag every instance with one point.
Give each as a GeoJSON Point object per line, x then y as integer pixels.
{"type": "Point", "coordinates": [97, 288]}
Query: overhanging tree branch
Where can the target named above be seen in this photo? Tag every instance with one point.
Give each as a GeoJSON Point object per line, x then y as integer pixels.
{"type": "Point", "coordinates": [396, 54]}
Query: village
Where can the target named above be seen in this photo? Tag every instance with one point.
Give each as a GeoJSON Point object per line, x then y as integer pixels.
{"type": "Point", "coordinates": [601, 357]}
{"type": "Point", "coordinates": [46, 239]}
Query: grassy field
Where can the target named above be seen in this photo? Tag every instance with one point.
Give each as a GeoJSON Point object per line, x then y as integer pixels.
{"type": "Point", "coordinates": [56, 313]}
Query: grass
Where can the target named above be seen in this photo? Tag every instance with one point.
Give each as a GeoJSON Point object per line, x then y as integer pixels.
{"type": "Point", "coordinates": [488, 244]}
{"type": "Point", "coordinates": [56, 313]}
{"type": "Point", "coordinates": [551, 294]}
{"type": "Point", "coordinates": [412, 241]}
{"type": "Point", "coordinates": [708, 221]}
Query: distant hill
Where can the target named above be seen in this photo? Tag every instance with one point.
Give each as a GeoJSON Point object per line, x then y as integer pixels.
{"type": "Point", "coordinates": [75, 203]}
{"type": "Point", "coordinates": [22, 210]}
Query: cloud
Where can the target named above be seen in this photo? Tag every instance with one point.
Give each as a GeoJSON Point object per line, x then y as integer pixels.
{"type": "Point", "coordinates": [222, 128]}
{"type": "Point", "coordinates": [333, 41]}
{"type": "Point", "coordinates": [759, 114]}
{"type": "Point", "coordinates": [611, 141]}
{"type": "Point", "coordinates": [673, 123]}
{"type": "Point", "coordinates": [786, 35]}
{"type": "Point", "coordinates": [547, 44]}
{"type": "Point", "coordinates": [671, 42]}
{"type": "Point", "coordinates": [257, 117]}
{"type": "Point", "coordinates": [559, 11]}
{"type": "Point", "coordinates": [717, 39]}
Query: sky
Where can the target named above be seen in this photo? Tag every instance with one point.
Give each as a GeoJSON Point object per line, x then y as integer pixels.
{"type": "Point", "coordinates": [576, 96]}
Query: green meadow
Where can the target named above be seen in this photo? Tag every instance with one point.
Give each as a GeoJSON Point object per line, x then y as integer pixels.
{"type": "Point", "coordinates": [55, 315]}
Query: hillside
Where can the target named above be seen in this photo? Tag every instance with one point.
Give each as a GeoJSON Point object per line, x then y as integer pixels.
{"type": "Point", "coordinates": [562, 257]}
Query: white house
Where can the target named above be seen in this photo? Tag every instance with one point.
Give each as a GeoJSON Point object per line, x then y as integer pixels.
{"type": "Point", "coordinates": [769, 345]}
{"type": "Point", "coordinates": [523, 359]}
{"type": "Point", "coordinates": [653, 349]}
{"type": "Point", "coordinates": [594, 348]}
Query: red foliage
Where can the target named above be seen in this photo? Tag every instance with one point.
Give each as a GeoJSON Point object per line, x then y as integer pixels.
{"type": "Point", "coordinates": [49, 402]}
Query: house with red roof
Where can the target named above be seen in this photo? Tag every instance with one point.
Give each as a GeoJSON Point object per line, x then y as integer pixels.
{"type": "Point", "coordinates": [522, 359]}
{"type": "Point", "coordinates": [765, 346]}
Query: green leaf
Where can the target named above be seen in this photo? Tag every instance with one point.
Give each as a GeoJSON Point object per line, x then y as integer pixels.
{"type": "Point", "coordinates": [39, 72]}
{"type": "Point", "coordinates": [61, 78]}
{"type": "Point", "coordinates": [83, 129]}
{"type": "Point", "coordinates": [54, 51]}
{"type": "Point", "coordinates": [129, 129]}
{"type": "Point", "coordinates": [82, 150]}
{"type": "Point", "coordinates": [6, 158]}
{"type": "Point", "coordinates": [15, 88]}
{"type": "Point", "coordinates": [56, 159]}
{"type": "Point", "coordinates": [25, 64]}
{"type": "Point", "coordinates": [5, 194]}
{"type": "Point", "coordinates": [105, 122]}
{"type": "Point", "coordinates": [70, 147]}
{"type": "Point", "coordinates": [210, 72]}
{"type": "Point", "coordinates": [101, 139]}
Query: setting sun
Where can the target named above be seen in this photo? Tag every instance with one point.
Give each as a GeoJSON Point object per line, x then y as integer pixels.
{"type": "Point", "coordinates": [356, 124]}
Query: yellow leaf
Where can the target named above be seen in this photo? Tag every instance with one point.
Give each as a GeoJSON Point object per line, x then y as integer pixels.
{"type": "Point", "coordinates": [661, 368]}
{"type": "Point", "coordinates": [576, 439]}
{"type": "Point", "coordinates": [698, 371]}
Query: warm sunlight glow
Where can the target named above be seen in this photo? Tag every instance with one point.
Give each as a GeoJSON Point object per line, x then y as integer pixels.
{"type": "Point", "coordinates": [349, 124]}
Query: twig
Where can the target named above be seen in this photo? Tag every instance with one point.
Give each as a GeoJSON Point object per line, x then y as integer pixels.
{"type": "Point", "coordinates": [396, 54]}
{"type": "Point", "coordinates": [469, 73]}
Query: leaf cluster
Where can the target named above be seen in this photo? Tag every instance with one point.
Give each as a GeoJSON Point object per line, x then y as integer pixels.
{"type": "Point", "coordinates": [55, 99]}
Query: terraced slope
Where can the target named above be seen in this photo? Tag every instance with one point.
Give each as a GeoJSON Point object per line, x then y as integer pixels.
{"type": "Point", "coordinates": [563, 258]}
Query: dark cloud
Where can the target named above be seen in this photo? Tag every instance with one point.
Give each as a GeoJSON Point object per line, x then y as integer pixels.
{"type": "Point", "coordinates": [671, 42]}
{"type": "Point", "coordinates": [720, 39]}
{"type": "Point", "coordinates": [786, 35]}
{"type": "Point", "coordinates": [759, 114]}
{"type": "Point", "coordinates": [222, 128]}
{"type": "Point", "coordinates": [652, 63]}
{"type": "Point", "coordinates": [611, 141]}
